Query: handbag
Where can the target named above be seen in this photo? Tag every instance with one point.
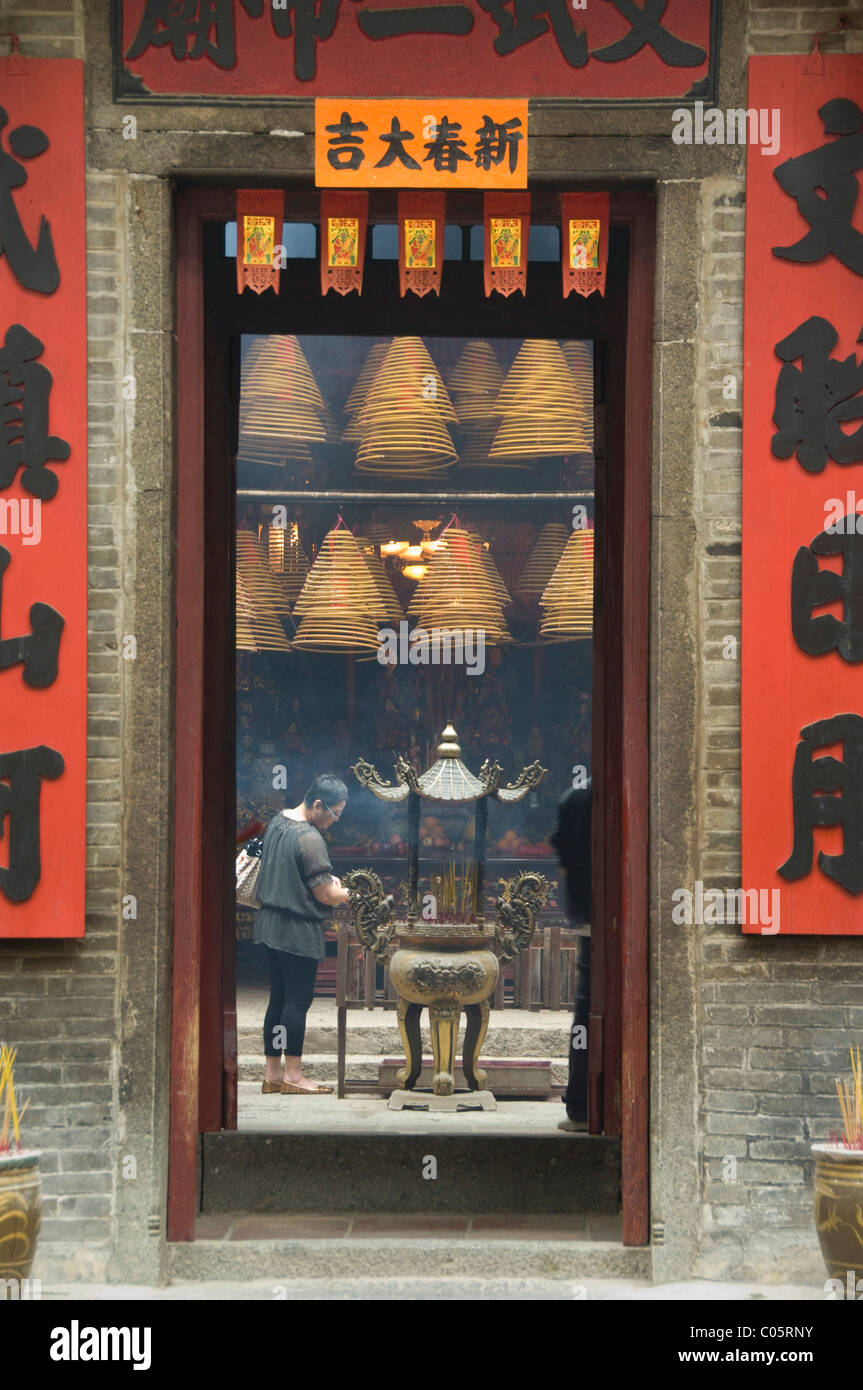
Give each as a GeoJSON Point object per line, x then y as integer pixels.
{"type": "Point", "coordinates": [247, 865]}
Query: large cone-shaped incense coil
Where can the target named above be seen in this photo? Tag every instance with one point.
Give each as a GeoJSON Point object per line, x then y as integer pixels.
{"type": "Point", "coordinates": [542, 560]}
{"type": "Point", "coordinates": [360, 390]}
{"type": "Point", "coordinates": [340, 605]}
{"type": "Point", "coordinates": [493, 574]}
{"type": "Point", "coordinates": [539, 403]}
{"type": "Point", "coordinates": [538, 435]}
{"type": "Point", "coordinates": [390, 608]}
{"type": "Point", "coordinates": [281, 407]}
{"type": "Point", "coordinates": [406, 378]}
{"type": "Point", "coordinates": [368, 371]}
{"type": "Point", "coordinates": [475, 382]}
{"type": "Point", "coordinates": [258, 627]}
{"type": "Point", "coordinates": [288, 560]}
{"type": "Point", "coordinates": [568, 596]}
{"type": "Point", "coordinates": [403, 421]}
{"type": "Point", "coordinates": [339, 575]}
{"type": "Point", "coordinates": [580, 360]}
{"type": "Point", "coordinates": [279, 370]}
{"type": "Point", "coordinates": [261, 585]}
{"type": "Point", "coordinates": [245, 629]}
{"type": "Point", "coordinates": [457, 592]}
{"type": "Point", "coordinates": [474, 453]}
{"type": "Point", "coordinates": [408, 443]}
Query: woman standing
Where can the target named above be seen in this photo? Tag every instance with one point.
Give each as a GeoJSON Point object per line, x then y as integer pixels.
{"type": "Point", "coordinates": [296, 889]}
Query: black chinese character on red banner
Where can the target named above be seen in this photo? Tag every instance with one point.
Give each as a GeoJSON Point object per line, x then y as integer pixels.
{"type": "Point", "coordinates": [191, 28]}
{"type": "Point", "coordinates": [823, 183]}
{"type": "Point", "coordinates": [812, 587]}
{"type": "Point", "coordinates": [19, 802]}
{"type": "Point", "coordinates": [526, 21]}
{"type": "Point", "coordinates": [415, 19]}
{"type": "Point", "coordinates": [206, 29]}
{"type": "Point", "coordinates": [39, 651]}
{"type": "Point", "coordinates": [647, 31]}
{"type": "Point", "coordinates": [813, 401]}
{"type": "Point", "coordinates": [25, 389]}
{"type": "Point", "coordinates": [35, 268]}
{"type": "Point", "coordinates": [812, 784]}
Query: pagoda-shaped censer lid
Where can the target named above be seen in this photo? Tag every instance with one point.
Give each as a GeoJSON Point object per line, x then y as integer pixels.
{"type": "Point", "coordinates": [448, 779]}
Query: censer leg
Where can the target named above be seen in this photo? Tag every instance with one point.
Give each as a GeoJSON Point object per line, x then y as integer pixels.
{"type": "Point", "coordinates": [443, 1023]}
{"type": "Point", "coordinates": [474, 1037]}
{"type": "Point", "coordinates": [408, 1016]}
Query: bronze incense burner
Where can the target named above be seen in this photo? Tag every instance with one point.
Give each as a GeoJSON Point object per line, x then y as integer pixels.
{"type": "Point", "coordinates": [446, 966]}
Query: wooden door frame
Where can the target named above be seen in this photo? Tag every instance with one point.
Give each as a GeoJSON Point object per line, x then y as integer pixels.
{"type": "Point", "coordinates": [193, 208]}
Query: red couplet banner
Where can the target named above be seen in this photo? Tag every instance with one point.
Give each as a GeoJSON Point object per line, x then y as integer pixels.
{"type": "Point", "coordinates": [43, 499]}
{"type": "Point", "coordinates": [802, 619]}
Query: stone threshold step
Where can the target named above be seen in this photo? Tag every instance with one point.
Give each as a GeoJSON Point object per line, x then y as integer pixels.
{"type": "Point", "coordinates": [408, 1257]}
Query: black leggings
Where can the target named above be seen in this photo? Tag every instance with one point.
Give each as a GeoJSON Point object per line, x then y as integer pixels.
{"type": "Point", "coordinates": [292, 989]}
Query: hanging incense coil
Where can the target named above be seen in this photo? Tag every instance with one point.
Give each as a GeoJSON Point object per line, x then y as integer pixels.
{"type": "Point", "coordinates": [262, 586]}
{"type": "Point", "coordinates": [391, 610]}
{"type": "Point", "coordinates": [457, 593]}
{"type": "Point", "coordinates": [493, 574]}
{"type": "Point", "coordinates": [288, 560]}
{"type": "Point", "coordinates": [580, 361]}
{"type": "Point", "coordinates": [474, 452]}
{"type": "Point", "coordinates": [414, 441]}
{"type": "Point", "coordinates": [279, 370]}
{"type": "Point", "coordinates": [568, 596]}
{"type": "Point", "coordinates": [281, 407]}
{"type": "Point", "coordinates": [406, 378]}
{"type": "Point", "coordinates": [403, 421]}
{"type": "Point", "coordinates": [540, 406]}
{"type": "Point", "coordinates": [542, 560]}
{"type": "Point", "coordinates": [258, 627]}
{"type": "Point", "coordinates": [340, 606]}
{"type": "Point", "coordinates": [475, 382]}
{"type": "Point", "coordinates": [368, 371]}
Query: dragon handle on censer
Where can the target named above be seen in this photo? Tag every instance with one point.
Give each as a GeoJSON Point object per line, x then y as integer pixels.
{"type": "Point", "coordinates": [522, 899]}
{"type": "Point", "coordinates": [372, 910]}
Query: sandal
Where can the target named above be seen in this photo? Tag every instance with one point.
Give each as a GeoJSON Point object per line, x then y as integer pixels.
{"type": "Point", "coordinates": [289, 1089]}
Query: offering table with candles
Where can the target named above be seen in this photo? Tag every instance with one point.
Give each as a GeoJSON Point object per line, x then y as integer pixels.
{"type": "Point", "coordinates": [446, 959]}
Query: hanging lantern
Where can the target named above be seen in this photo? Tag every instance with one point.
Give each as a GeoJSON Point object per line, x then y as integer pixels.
{"type": "Point", "coordinates": [568, 596]}
{"type": "Point", "coordinates": [542, 561]}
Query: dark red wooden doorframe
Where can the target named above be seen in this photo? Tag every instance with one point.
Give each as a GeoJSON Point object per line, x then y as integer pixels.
{"type": "Point", "coordinates": [197, 1000]}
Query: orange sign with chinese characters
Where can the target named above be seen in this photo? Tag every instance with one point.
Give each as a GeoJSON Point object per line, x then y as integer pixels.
{"type": "Point", "coordinates": [421, 144]}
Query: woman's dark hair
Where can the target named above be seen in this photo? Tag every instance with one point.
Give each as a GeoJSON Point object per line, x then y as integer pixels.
{"type": "Point", "coordinates": [326, 788]}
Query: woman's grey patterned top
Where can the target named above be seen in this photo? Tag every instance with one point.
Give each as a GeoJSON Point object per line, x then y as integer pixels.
{"type": "Point", "coordinates": [294, 858]}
